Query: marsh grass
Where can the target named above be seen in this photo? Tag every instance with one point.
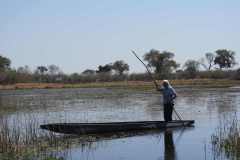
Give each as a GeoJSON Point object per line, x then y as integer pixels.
{"type": "Point", "coordinates": [136, 85]}
{"type": "Point", "coordinates": [26, 141]}
{"type": "Point", "coordinates": [226, 140]}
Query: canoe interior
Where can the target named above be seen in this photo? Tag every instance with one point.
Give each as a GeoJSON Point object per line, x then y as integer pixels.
{"type": "Point", "coordinates": [96, 128]}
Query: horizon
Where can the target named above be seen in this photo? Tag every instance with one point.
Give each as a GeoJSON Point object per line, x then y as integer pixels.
{"type": "Point", "coordinates": [80, 35]}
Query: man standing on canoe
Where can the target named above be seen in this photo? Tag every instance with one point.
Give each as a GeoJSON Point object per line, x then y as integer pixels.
{"type": "Point", "coordinates": [169, 95]}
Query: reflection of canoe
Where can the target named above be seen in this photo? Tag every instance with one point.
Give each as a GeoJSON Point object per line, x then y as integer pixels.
{"type": "Point", "coordinates": [95, 128]}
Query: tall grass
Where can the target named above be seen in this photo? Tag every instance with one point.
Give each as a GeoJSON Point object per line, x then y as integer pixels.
{"type": "Point", "coordinates": [26, 141]}
{"type": "Point", "coordinates": [226, 140]}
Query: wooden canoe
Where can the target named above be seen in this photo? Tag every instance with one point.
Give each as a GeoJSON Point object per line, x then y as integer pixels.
{"type": "Point", "coordinates": [96, 128]}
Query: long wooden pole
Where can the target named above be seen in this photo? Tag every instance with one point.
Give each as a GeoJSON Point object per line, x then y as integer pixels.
{"type": "Point", "coordinates": [149, 72]}
{"type": "Point", "coordinates": [154, 81]}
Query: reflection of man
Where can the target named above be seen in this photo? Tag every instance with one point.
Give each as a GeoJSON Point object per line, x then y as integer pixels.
{"type": "Point", "coordinates": [169, 148]}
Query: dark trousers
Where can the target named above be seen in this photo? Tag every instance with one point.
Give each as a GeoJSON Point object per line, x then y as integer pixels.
{"type": "Point", "coordinates": [167, 110]}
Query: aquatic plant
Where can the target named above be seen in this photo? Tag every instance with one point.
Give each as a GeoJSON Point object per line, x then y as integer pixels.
{"type": "Point", "coordinates": [226, 140]}
{"type": "Point", "coordinates": [26, 141]}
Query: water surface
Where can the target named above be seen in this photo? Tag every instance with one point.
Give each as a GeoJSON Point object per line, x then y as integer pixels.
{"type": "Point", "coordinates": [205, 106]}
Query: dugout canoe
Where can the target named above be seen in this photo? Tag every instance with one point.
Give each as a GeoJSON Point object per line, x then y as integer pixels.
{"type": "Point", "coordinates": [98, 128]}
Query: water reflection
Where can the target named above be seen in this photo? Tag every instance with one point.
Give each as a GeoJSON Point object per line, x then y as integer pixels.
{"type": "Point", "coordinates": [155, 144]}
{"type": "Point", "coordinates": [169, 147]}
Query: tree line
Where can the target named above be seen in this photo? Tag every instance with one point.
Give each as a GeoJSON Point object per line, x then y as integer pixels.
{"type": "Point", "coordinates": [216, 65]}
{"type": "Point", "coordinates": [222, 60]}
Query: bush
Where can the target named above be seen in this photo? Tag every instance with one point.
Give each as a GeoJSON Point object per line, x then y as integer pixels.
{"type": "Point", "coordinates": [237, 74]}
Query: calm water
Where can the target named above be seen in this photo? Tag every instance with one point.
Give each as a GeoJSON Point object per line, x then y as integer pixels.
{"type": "Point", "coordinates": [205, 106]}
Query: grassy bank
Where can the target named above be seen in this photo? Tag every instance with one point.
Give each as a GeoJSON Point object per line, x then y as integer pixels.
{"type": "Point", "coordinates": [142, 85]}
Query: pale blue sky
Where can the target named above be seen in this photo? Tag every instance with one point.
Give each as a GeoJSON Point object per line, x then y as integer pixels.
{"type": "Point", "coordinates": [77, 34]}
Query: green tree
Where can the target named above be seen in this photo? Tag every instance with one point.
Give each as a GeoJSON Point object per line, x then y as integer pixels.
{"type": "Point", "coordinates": [74, 78]}
{"type": "Point", "coordinates": [104, 69]}
{"type": "Point", "coordinates": [53, 69]}
{"type": "Point", "coordinates": [4, 63]}
{"type": "Point", "coordinates": [24, 70]}
{"type": "Point", "coordinates": [237, 74]}
{"type": "Point", "coordinates": [191, 68]}
{"type": "Point", "coordinates": [162, 62]}
{"type": "Point", "coordinates": [42, 69]}
{"type": "Point", "coordinates": [120, 67]}
{"type": "Point", "coordinates": [24, 74]}
{"type": "Point", "coordinates": [4, 69]}
{"type": "Point", "coordinates": [225, 58]}
{"type": "Point", "coordinates": [88, 72]}
{"type": "Point", "coordinates": [11, 76]}
{"type": "Point", "coordinates": [208, 61]}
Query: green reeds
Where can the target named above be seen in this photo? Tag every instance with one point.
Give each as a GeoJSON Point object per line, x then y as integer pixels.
{"type": "Point", "coordinates": [226, 140]}
{"type": "Point", "coordinates": [26, 141]}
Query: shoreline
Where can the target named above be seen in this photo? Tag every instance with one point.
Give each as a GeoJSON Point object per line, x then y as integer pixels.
{"type": "Point", "coordinates": [139, 85]}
